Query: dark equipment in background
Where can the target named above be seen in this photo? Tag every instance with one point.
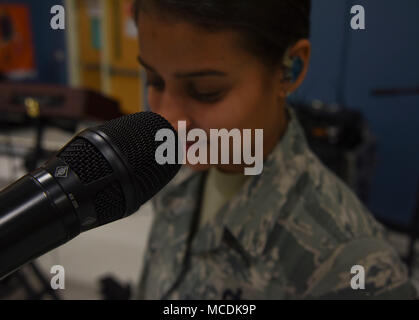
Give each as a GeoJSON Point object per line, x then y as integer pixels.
{"type": "Point", "coordinates": [2, 77]}
{"type": "Point", "coordinates": [413, 228]}
{"type": "Point", "coordinates": [19, 283]}
{"type": "Point", "coordinates": [112, 289]}
{"type": "Point", "coordinates": [55, 102]}
{"type": "Point", "coordinates": [342, 140]}
{"type": "Point", "coordinates": [414, 234]}
{"type": "Point", "coordinates": [42, 106]}
{"type": "Point", "coordinates": [6, 28]}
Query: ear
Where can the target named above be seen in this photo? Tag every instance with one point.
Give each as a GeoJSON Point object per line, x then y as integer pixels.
{"type": "Point", "coordinates": [302, 51]}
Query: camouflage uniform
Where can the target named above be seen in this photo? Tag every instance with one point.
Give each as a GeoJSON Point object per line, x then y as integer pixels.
{"type": "Point", "coordinates": [293, 232]}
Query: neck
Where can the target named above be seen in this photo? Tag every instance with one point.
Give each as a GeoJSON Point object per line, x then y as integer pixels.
{"type": "Point", "coordinates": [284, 120]}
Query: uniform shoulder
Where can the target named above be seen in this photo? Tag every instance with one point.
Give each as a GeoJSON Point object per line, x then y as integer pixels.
{"type": "Point", "coordinates": [323, 232]}
{"type": "Point", "coordinates": [331, 208]}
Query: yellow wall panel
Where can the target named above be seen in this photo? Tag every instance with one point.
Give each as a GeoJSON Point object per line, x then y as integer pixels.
{"type": "Point", "coordinates": [90, 55]}
{"type": "Point", "coordinates": [123, 36]}
{"type": "Point", "coordinates": [91, 79]}
{"type": "Point", "coordinates": [107, 52]}
{"type": "Point", "coordinates": [128, 92]}
{"type": "Point", "coordinates": [123, 52]}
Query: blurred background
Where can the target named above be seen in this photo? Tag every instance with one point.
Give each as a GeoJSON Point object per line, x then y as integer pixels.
{"type": "Point", "coordinates": [359, 106]}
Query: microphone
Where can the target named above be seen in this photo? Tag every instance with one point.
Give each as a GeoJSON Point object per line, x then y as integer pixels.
{"type": "Point", "coordinates": [102, 175]}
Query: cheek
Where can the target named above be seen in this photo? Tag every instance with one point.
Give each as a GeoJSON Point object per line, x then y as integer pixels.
{"type": "Point", "coordinates": [247, 107]}
{"type": "Point", "coordinates": [258, 104]}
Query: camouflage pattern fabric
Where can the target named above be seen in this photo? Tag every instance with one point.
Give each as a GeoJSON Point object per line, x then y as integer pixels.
{"type": "Point", "coordinates": [294, 232]}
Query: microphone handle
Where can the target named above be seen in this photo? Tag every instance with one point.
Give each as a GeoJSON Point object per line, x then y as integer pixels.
{"type": "Point", "coordinates": [35, 217]}
{"type": "Point", "coordinates": [51, 206]}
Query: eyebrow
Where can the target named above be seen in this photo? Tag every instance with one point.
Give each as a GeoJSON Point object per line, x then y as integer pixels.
{"type": "Point", "coordinates": [193, 74]}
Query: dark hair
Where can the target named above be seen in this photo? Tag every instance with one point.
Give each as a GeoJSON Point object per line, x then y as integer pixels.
{"type": "Point", "coordinates": [268, 27]}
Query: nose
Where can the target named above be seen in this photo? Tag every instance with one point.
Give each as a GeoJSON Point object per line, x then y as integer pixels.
{"type": "Point", "coordinates": [172, 108]}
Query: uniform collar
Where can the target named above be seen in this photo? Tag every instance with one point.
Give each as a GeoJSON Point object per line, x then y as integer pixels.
{"type": "Point", "coordinates": [252, 214]}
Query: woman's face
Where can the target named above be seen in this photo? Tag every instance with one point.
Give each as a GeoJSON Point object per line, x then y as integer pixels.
{"type": "Point", "coordinates": [208, 80]}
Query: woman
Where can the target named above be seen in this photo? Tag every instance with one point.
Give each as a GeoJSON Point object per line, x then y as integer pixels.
{"type": "Point", "coordinates": [293, 232]}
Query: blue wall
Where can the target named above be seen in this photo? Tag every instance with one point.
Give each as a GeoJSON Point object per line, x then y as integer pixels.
{"type": "Point", "coordinates": [348, 64]}
{"type": "Point", "coordinates": [50, 46]}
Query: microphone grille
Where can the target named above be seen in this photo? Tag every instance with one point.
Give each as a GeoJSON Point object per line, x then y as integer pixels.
{"type": "Point", "coordinates": [90, 165]}
{"type": "Point", "coordinates": [134, 135]}
{"type": "Point", "coordinates": [83, 157]}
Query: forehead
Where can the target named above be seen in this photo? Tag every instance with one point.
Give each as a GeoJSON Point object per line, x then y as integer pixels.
{"type": "Point", "coordinates": [167, 43]}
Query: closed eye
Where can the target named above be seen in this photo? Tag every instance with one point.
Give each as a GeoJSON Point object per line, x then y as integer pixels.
{"type": "Point", "coordinates": [206, 97]}
{"type": "Point", "coordinates": [155, 82]}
